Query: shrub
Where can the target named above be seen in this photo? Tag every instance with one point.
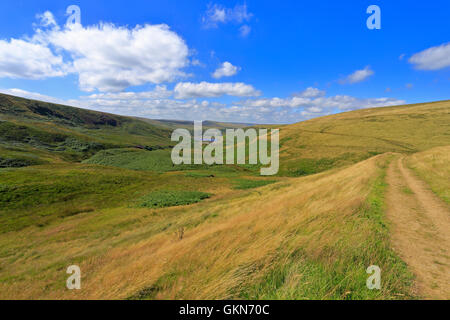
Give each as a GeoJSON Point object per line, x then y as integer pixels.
{"type": "Point", "coordinates": [17, 163]}
{"type": "Point", "coordinates": [161, 199]}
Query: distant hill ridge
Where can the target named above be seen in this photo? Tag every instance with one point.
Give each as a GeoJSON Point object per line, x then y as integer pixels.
{"type": "Point", "coordinates": [52, 132]}
{"type": "Point", "coordinates": [44, 132]}
{"type": "Point", "coordinates": [36, 132]}
{"type": "Point", "coordinates": [340, 139]}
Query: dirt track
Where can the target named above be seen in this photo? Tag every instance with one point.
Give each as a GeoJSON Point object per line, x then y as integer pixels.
{"type": "Point", "coordinates": [420, 230]}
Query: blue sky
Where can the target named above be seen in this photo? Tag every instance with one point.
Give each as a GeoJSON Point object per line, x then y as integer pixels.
{"type": "Point", "coordinates": [252, 61]}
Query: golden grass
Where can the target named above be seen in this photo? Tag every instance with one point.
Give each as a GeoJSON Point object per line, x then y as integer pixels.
{"type": "Point", "coordinates": [300, 238]}
{"type": "Point", "coordinates": [230, 244]}
{"type": "Point", "coordinates": [433, 166]}
{"type": "Point", "coordinates": [352, 136]}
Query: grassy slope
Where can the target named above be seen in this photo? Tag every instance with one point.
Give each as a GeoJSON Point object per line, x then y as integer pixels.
{"type": "Point", "coordinates": [53, 132]}
{"type": "Point", "coordinates": [272, 242]}
{"type": "Point", "coordinates": [346, 138]}
{"type": "Point", "coordinates": [433, 166]}
{"type": "Point", "coordinates": [309, 237]}
{"type": "Point", "coordinates": [134, 159]}
{"type": "Point", "coordinates": [42, 195]}
{"type": "Point", "coordinates": [338, 140]}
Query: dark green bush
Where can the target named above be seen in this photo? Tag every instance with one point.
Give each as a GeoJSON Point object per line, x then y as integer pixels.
{"type": "Point", "coordinates": [160, 199]}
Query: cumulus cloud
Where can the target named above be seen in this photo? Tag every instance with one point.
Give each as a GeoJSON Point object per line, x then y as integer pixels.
{"type": "Point", "coordinates": [311, 93]}
{"type": "Point", "coordinates": [106, 57]}
{"type": "Point", "coordinates": [293, 102]}
{"type": "Point", "coordinates": [22, 59]}
{"type": "Point", "coordinates": [112, 58]}
{"type": "Point", "coordinates": [217, 13]}
{"type": "Point", "coordinates": [358, 76]}
{"type": "Point", "coordinates": [32, 95]}
{"type": "Point", "coordinates": [306, 98]}
{"type": "Point", "coordinates": [347, 103]}
{"type": "Point", "coordinates": [160, 92]}
{"type": "Point", "coordinates": [433, 58]}
{"type": "Point", "coordinates": [186, 90]}
{"type": "Point", "coordinates": [158, 104]}
{"type": "Point", "coordinates": [272, 110]}
{"type": "Point", "coordinates": [46, 19]}
{"type": "Point", "coordinates": [226, 70]}
{"type": "Point", "coordinates": [245, 30]}
{"type": "Point", "coordinates": [320, 104]}
{"type": "Point", "coordinates": [197, 63]}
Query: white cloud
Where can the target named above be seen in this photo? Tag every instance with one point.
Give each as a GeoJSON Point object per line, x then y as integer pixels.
{"type": "Point", "coordinates": [111, 58]}
{"type": "Point", "coordinates": [197, 63]}
{"type": "Point", "coordinates": [192, 109]}
{"type": "Point", "coordinates": [321, 104]}
{"type": "Point", "coordinates": [311, 93]}
{"type": "Point", "coordinates": [186, 90]}
{"type": "Point", "coordinates": [347, 103]}
{"type": "Point", "coordinates": [47, 19]}
{"type": "Point", "coordinates": [160, 92]}
{"type": "Point", "coordinates": [217, 13]}
{"type": "Point", "coordinates": [105, 57]}
{"type": "Point", "coordinates": [226, 70]}
{"type": "Point", "coordinates": [358, 76]}
{"type": "Point", "coordinates": [433, 58]}
{"type": "Point", "coordinates": [245, 30]}
{"type": "Point", "coordinates": [253, 111]}
{"type": "Point", "coordinates": [22, 59]}
{"type": "Point", "coordinates": [293, 102]}
{"type": "Point", "coordinates": [157, 104]}
{"type": "Point", "coordinates": [32, 95]}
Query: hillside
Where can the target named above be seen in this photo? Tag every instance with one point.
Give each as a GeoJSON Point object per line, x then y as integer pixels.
{"type": "Point", "coordinates": [34, 132]}
{"type": "Point", "coordinates": [341, 139]}
{"type": "Point", "coordinates": [268, 243]}
{"type": "Point", "coordinates": [141, 228]}
{"type": "Point", "coordinates": [433, 166]}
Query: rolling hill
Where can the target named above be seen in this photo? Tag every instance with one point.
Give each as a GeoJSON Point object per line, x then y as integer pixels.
{"type": "Point", "coordinates": [322, 143]}
{"type": "Point", "coordinates": [34, 132]}
{"type": "Point", "coordinates": [141, 229]}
